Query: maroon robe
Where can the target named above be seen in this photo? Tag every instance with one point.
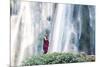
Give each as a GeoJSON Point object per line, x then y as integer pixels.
{"type": "Point", "coordinates": [45, 45]}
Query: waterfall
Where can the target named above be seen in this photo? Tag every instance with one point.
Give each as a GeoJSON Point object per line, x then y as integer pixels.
{"type": "Point", "coordinates": [71, 28]}
{"type": "Point", "coordinates": [15, 35]}
{"type": "Point", "coordinates": [27, 31]}
{"type": "Point", "coordinates": [70, 34]}
{"type": "Point", "coordinates": [58, 28]}
{"type": "Point", "coordinates": [92, 27]}
{"type": "Point", "coordinates": [64, 30]}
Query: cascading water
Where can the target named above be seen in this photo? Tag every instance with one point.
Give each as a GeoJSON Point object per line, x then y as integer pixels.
{"type": "Point", "coordinates": [58, 28]}
{"type": "Point", "coordinates": [92, 27]}
{"type": "Point", "coordinates": [27, 31]}
{"type": "Point", "coordinates": [65, 35]}
{"type": "Point", "coordinates": [70, 29]}
{"type": "Point", "coordinates": [15, 35]}
{"type": "Point", "coordinates": [70, 34]}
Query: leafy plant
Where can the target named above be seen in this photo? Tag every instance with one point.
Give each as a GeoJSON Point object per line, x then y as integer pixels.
{"type": "Point", "coordinates": [57, 58]}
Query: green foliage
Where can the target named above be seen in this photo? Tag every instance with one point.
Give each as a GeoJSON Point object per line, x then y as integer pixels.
{"type": "Point", "coordinates": [57, 58]}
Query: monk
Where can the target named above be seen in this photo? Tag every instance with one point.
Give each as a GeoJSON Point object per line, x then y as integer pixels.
{"type": "Point", "coordinates": [45, 44]}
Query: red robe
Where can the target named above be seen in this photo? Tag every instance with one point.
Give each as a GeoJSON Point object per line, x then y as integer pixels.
{"type": "Point", "coordinates": [45, 45]}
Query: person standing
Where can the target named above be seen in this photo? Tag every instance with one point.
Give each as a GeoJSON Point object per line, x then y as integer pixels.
{"type": "Point", "coordinates": [45, 44]}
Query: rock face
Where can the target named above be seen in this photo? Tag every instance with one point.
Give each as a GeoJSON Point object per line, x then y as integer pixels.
{"type": "Point", "coordinates": [71, 28]}
{"type": "Point", "coordinates": [87, 39]}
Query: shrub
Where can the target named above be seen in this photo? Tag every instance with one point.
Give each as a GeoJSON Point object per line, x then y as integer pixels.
{"type": "Point", "coordinates": [57, 58]}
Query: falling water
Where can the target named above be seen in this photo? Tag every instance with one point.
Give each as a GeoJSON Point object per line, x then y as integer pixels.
{"type": "Point", "coordinates": [63, 21]}
{"type": "Point", "coordinates": [27, 37]}
{"type": "Point", "coordinates": [92, 27]}
{"type": "Point", "coordinates": [70, 33]}
{"type": "Point", "coordinates": [15, 39]}
{"type": "Point", "coordinates": [58, 28]}
{"type": "Point", "coordinates": [65, 35]}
